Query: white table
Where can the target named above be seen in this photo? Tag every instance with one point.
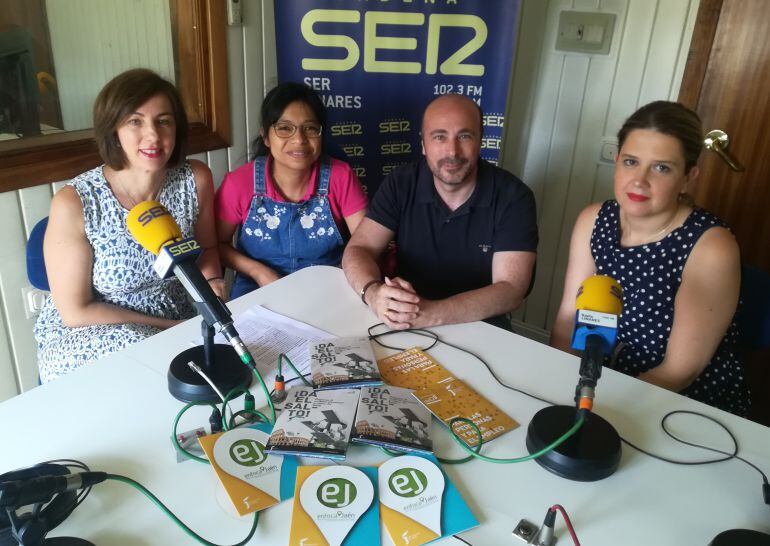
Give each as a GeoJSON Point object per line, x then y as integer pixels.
{"type": "Point", "coordinates": [116, 416]}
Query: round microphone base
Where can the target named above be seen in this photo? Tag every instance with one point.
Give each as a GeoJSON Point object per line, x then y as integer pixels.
{"type": "Point", "coordinates": [226, 371]}
{"type": "Point", "coordinates": [592, 454]}
{"type": "Point", "coordinates": [744, 537]}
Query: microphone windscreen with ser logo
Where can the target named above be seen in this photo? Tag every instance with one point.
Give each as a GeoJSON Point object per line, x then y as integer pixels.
{"type": "Point", "coordinates": [152, 225]}
{"type": "Point", "coordinates": [600, 293]}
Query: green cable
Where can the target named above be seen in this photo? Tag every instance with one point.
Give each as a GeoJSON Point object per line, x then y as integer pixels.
{"type": "Point", "coordinates": [291, 365]}
{"type": "Point", "coordinates": [394, 453]}
{"type": "Point", "coordinates": [174, 437]}
{"type": "Point", "coordinates": [475, 454]}
{"type": "Point", "coordinates": [247, 359]}
{"type": "Point", "coordinates": [459, 461]}
{"type": "Point", "coordinates": [244, 413]}
{"type": "Point", "coordinates": [192, 534]}
{"type": "Point", "coordinates": [228, 397]}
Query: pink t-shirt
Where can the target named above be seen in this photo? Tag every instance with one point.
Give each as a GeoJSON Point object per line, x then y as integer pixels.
{"type": "Point", "coordinates": [233, 198]}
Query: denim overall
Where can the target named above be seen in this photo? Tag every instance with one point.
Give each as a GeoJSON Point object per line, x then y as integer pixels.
{"type": "Point", "coordinates": [288, 236]}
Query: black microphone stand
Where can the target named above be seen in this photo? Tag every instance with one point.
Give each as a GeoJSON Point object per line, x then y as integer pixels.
{"type": "Point", "coordinates": [593, 452]}
{"type": "Point", "coordinates": [218, 361]}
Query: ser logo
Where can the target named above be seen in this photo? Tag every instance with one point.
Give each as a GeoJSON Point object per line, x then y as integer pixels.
{"type": "Point", "coordinates": [346, 129]}
{"type": "Point", "coordinates": [336, 493]}
{"type": "Point", "coordinates": [353, 151]}
{"type": "Point", "coordinates": [408, 482]}
{"type": "Point", "coordinates": [393, 148]}
{"type": "Point", "coordinates": [247, 452]}
{"type": "Point", "coordinates": [402, 126]}
{"type": "Point", "coordinates": [184, 247]}
{"type": "Point", "coordinates": [149, 215]}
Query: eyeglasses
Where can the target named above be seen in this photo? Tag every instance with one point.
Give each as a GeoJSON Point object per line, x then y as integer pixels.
{"type": "Point", "coordinates": [288, 130]}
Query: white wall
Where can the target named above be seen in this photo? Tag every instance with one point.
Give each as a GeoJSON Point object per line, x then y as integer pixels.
{"type": "Point", "coordinates": [92, 40]}
{"type": "Point", "coordinates": [560, 107]}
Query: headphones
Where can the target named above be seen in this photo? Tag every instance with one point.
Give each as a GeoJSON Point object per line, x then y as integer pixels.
{"type": "Point", "coordinates": [52, 513]}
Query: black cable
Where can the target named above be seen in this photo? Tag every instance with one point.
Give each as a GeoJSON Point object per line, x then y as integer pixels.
{"type": "Point", "coordinates": [462, 540]}
{"type": "Point", "coordinates": [74, 463]}
{"type": "Point", "coordinates": [727, 455]}
{"type": "Point", "coordinates": [416, 331]}
{"type": "Point", "coordinates": [436, 340]}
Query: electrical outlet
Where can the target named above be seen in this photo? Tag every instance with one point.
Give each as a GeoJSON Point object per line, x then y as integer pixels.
{"type": "Point", "coordinates": [234, 13]}
{"type": "Point", "coordinates": [34, 299]}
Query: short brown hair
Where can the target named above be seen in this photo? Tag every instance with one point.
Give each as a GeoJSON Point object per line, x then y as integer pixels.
{"type": "Point", "coordinates": [117, 100]}
{"type": "Point", "coordinates": [672, 119]}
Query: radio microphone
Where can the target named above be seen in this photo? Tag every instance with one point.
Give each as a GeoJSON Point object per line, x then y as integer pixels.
{"type": "Point", "coordinates": [155, 229]}
{"type": "Point", "coordinates": [598, 304]}
{"type": "Point", "coordinates": [593, 453]}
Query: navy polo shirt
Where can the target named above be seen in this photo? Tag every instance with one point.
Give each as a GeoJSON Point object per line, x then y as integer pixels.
{"type": "Point", "coordinates": [443, 252]}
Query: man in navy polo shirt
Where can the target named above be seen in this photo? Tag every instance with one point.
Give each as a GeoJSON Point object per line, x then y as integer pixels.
{"type": "Point", "coordinates": [465, 231]}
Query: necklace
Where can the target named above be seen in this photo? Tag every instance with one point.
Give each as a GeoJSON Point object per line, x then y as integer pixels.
{"type": "Point", "coordinates": [128, 199]}
{"type": "Point", "coordinates": [660, 234]}
{"type": "Point", "coordinates": [657, 236]}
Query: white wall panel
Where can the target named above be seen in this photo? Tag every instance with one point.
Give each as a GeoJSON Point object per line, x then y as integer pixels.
{"type": "Point", "coordinates": [92, 40]}
{"type": "Point", "coordinates": [34, 204]}
{"type": "Point", "coordinates": [13, 273]}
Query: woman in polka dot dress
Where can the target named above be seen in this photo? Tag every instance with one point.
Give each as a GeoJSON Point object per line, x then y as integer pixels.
{"type": "Point", "coordinates": [679, 265]}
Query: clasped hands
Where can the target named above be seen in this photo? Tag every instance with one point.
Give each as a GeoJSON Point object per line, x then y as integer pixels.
{"type": "Point", "coordinates": [399, 306]}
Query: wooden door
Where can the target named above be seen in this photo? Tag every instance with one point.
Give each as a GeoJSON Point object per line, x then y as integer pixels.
{"type": "Point", "coordinates": [727, 81]}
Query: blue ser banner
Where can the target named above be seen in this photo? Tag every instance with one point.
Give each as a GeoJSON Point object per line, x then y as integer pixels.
{"type": "Point", "coordinates": [378, 63]}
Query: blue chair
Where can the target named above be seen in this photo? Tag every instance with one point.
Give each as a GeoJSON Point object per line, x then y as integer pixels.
{"type": "Point", "coordinates": [754, 316]}
{"type": "Point", "coordinates": [36, 272]}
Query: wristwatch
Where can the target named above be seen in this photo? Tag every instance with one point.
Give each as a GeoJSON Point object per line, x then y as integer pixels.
{"type": "Point", "coordinates": [363, 290]}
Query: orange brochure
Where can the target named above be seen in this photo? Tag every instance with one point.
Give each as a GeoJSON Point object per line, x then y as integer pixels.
{"type": "Point", "coordinates": [445, 395]}
{"type": "Point", "coordinates": [413, 369]}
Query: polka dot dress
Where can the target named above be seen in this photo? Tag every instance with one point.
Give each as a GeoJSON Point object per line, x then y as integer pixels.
{"type": "Point", "coordinates": [650, 275]}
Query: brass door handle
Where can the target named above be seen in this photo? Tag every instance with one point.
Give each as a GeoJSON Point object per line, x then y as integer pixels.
{"type": "Point", "coordinates": [717, 141]}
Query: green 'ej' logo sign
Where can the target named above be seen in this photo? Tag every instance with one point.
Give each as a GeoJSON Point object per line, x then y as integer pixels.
{"type": "Point", "coordinates": [408, 482]}
{"type": "Point", "coordinates": [247, 452]}
{"type": "Point", "coordinates": [336, 493]}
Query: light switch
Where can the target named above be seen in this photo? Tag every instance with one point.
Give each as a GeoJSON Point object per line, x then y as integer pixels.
{"type": "Point", "coordinates": [609, 150]}
{"type": "Point", "coordinates": [593, 34]}
{"type": "Point", "coordinates": [585, 31]}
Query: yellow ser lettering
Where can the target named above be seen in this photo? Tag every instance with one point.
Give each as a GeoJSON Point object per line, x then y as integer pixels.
{"type": "Point", "coordinates": [453, 65]}
{"type": "Point", "coordinates": [330, 40]}
{"type": "Point", "coordinates": [373, 42]}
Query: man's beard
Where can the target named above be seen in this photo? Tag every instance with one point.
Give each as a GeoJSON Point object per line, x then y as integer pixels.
{"type": "Point", "coordinates": [455, 178]}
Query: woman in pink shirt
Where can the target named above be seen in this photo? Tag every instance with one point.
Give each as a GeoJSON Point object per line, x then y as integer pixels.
{"type": "Point", "coordinates": [293, 206]}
